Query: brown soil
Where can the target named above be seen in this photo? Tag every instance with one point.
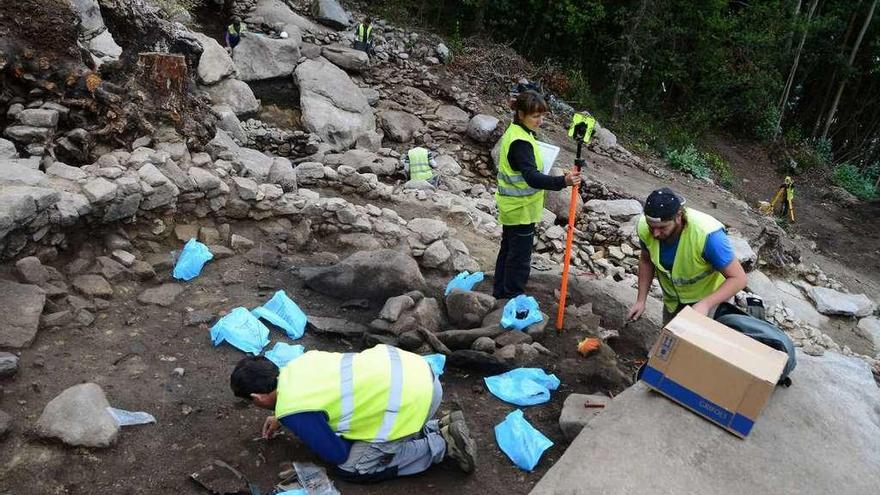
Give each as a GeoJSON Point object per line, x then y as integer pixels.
{"type": "Point", "coordinates": [132, 349]}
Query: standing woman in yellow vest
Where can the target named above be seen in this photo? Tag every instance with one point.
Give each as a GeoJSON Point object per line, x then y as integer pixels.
{"type": "Point", "coordinates": [364, 36]}
{"type": "Point", "coordinates": [691, 255]}
{"type": "Point", "coordinates": [520, 194]}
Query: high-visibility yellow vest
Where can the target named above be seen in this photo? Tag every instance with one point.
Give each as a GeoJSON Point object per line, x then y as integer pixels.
{"type": "Point", "coordinates": [233, 32]}
{"type": "Point", "coordinates": [518, 203]}
{"type": "Point", "coordinates": [419, 164]}
{"type": "Point", "coordinates": [377, 395]}
{"type": "Point", "coordinates": [364, 32]}
{"type": "Point", "coordinates": [692, 277]}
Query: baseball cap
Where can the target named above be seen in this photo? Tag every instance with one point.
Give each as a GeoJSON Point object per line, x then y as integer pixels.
{"type": "Point", "coordinates": [662, 204]}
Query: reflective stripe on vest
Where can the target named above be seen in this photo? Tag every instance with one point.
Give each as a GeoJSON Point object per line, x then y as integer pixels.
{"type": "Point", "coordinates": [518, 203]}
{"type": "Point", "coordinates": [692, 278]}
{"type": "Point", "coordinates": [364, 36]}
{"type": "Point", "coordinates": [419, 164]}
{"type": "Point", "coordinates": [381, 394]}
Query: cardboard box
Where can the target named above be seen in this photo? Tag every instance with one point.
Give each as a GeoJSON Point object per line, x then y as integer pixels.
{"type": "Point", "coordinates": [714, 370]}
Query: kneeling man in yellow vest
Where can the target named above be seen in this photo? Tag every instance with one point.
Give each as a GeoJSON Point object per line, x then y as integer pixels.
{"type": "Point", "coordinates": [419, 164]}
{"type": "Point", "coordinates": [367, 413]}
{"type": "Point", "coordinates": [691, 255]}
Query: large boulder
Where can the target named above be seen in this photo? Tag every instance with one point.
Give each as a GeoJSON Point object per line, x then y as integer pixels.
{"type": "Point", "coordinates": [482, 127]}
{"type": "Point", "coordinates": [79, 417]}
{"type": "Point", "coordinates": [870, 328]}
{"type": "Point", "coordinates": [618, 209]}
{"type": "Point", "coordinates": [235, 94]}
{"type": "Point", "coordinates": [400, 126]}
{"type": "Point", "coordinates": [833, 302]}
{"type": "Point", "coordinates": [347, 58]}
{"type": "Point", "coordinates": [367, 274]}
{"type": "Point", "coordinates": [20, 309]}
{"type": "Point", "coordinates": [466, 309]}
{"type": "Point", "coordinates": [453, 114]}
{"type": "Point", "coordinates": [330, 13]}
{"type": "Point", "coordinates": [215, 64]}
{"type": "Point", "coordinates": [251, 163]}
{"type": "Point", "coordinates": [278, 14]}
{"type": "Point", "coordinates": [19, 205]}
{"type": "Point", "coordinates": [333, 107]}
{"type": "Point", "coordinates": [642, 439]}
{"type": "Point", "coordinates": [101, 45]}
{"type": "Point", "coordinates": [259, 57]}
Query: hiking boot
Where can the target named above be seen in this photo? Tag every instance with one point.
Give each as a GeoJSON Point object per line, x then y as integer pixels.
{"type": "Point", "coordinates": [451, 417]}
{"type": "Point", "coordinates": [460, 446]}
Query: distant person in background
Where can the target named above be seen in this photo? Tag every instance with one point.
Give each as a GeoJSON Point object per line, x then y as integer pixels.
{"type": "Point", "coordinates": [233, 33]}
{"type": "Point", "coordinates": [520, 194]}
{"type": "Point", "coordinates": [364, 37]}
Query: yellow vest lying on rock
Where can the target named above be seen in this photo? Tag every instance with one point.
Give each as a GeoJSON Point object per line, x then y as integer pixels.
{"type": "Point", "coordinates": [377, 395]}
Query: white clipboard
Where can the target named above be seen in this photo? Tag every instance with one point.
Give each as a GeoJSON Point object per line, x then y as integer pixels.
{"type": "Point", "coordinates": [548, 155]}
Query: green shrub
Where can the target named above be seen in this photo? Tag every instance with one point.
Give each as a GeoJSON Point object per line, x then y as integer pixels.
{"type": "Point", "coordinates": [765, 129]}
{"type": "Point", "coordinates": [720, 168]}
{"type": "Point", "coordinates": [822, 147]}
{"type": "Point", "coordinates": [858, 182]}
{"type": "Point", "coordinates": [688, 160]}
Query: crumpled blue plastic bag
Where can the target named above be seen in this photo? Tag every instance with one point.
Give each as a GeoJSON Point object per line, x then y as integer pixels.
{"type": "Point", "coordinates": [464, 281]}
{"type": "Point", "coordinates": [523, 386]}
{"type": "Point", "coordinates": [521, 304]}
{"type": "Point", "coordinates": [242, 330]}
{"type": "Point", "coordinates": [437, 362]}
{"type": "Point", "coordinates": [522, 443]}
{"type": "Point", "coordinates": [298, 491]}
{"type": "Point", "coordinates": [191, 260]}
{"type": "Point", "coordinates": [284, 313]}
{"type": "Point", "coordinates": [283, 353]}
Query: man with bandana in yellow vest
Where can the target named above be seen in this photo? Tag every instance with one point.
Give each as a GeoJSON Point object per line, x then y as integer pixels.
{"type": "Point", "coordinates": [691, 255]}
{"type": "Point", "coordinates": [364, 36]}
{"type": "Point", "coordinates": [520, 194]}
{"type": "Point", "coordinates": [367, 413]}
{"type": "Point", "coordinates": [418, 163]}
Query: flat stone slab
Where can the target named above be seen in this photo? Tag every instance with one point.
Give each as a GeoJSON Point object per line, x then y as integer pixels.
{"type": "Point", "coordinates": [833, 302]}
{"type": "Point", "coordinates": [824, 428]}
{"type": "Point", "coordinates": [578, 410]}
{"type": "Point", "coordinates": [336, 326]}
{"type": "Point", "coordinates": [164, 295]}
{"type": "Point", "coordinates": [20, 309]}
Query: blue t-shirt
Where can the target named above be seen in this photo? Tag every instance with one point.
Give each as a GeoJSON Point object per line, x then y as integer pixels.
{"type": "Point", "coordinates": [717, 251]}
{"type": "Point", "coordinates": [314, 431]}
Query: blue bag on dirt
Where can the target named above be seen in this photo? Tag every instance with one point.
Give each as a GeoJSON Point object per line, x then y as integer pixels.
{"type": "Point", "coordinates": [191, 260]}
{"type": "Point", "coordinates": [520, 312]}
{"type": "Point", "coordinates": [283, 353]}
{"type": "Point", "coordinates": [522, 443]}
{"type": "Point", "coordinates": [437, 362]}
{"type": "Point", "coordinates": [282, 312]}
{"type": "Point", "coordinates": [464, 281]}
{"type": "Point", "coordinates": [523, 386]}
{"type": "Point", "coordinates": [242, 330]}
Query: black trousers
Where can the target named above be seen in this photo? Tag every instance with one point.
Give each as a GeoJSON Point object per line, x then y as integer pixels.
{"type": "Point", "coordinates": [514, 261]}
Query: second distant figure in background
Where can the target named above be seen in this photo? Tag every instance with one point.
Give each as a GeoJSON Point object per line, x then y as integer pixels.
{"type": "Point", "coordinates": [364, 37]}
{"type": "Point", "coordinates": [233, 33]}
{"type": "Point", "coordinates": [419, 164]}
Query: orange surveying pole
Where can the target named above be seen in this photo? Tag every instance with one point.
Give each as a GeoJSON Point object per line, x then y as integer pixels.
{"type": "Point", "coordinates": [581, 129]}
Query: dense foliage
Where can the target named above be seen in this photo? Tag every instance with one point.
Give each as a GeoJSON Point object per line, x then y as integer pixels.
{"type": "Point", "coordinates": [699, 65]}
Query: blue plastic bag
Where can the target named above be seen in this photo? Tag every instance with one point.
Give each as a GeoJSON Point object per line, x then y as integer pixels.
{"type": "Point", "coordinates": [283, 312]}
{"type": "Point", "coordinates": [523, 386]}
{"type": "Point", "coordinates": [283, 353]}
{"type": "Point", "coordinates": [464, 281]}
{"type": "Point", "coordinates": [437, 363]}
{"type": "Point", "coordinates": [521, 304]}
{"type": "Point", "coordinates": [298, 491]}
{"type": "Point", "coordinates": [242, 330]}
{"type": "Point", "coordinates": [522, 443]}
{"type": "Point", "coordinates": [191, 260]}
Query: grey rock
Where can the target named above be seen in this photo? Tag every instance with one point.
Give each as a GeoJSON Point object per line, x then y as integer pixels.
{"type": "Point", "coordinates": [482, 127]}
{"type": "Point", "coordinates": [443, 52]}
{"type": "Point", "coordinates": [214, 64]}
{"type": "Point", "coordinates": [248, 189]}
{"type": "Point", "coordinates": [835, 407]}
{"type": "Point", "coordinates": [7, 150]}
{"type": "Point", "coordinates": [123, 257]}
{"type": "Point", "coordinates": [330, 13]}
{"type": "Point", "coordinates": [513, 337]}
{"type": "Point", "coordinates": [436, 255]}
{"type": "Point", "coordinates": [8, 364]}
{"type": "Point", "coordinates": [204, 180]}
{"type": "Point", "coordinates": [163, 195]}
{"type": "Point", "coordinates": [347, 58]}
{"type": "Point", "coordinates": [373, 96]}
{"type": "Point", "coordinates": [39, 117]}
{"type": "Point", "coordinates": [164, 295]}
{"type": "Point", "coordinates": [832, 302]}
{"type": "Point", "coordinates": [92, 285]}
{"type": "Point", "coordinates": [452, 113]}
{"type": "Point", "coordinates": [400, 126]}
{"type": "Point", "coordinates": [395, 306]}
{"type": "Point", "coordinates": [198, 317]}
{"type": "Point", "coordinates": [785, 294]}
{"type": "Point", "coordinates": [467, 309]}
{"type": "Point", "coordinates": [100, 190]}
{"type": "Point", "coordinates": [31, 271]}
{"type": "Point", "coordinates": [333, 107]}
{"type": "Point", "coordinates": [229, 122]}
{"type": "Point", "coordinates": [235, 94]}
{"type": "Point", "coordinates": [258, 57]}
{"type": "Point", "coordinates": [604, 138]}
{"type": "Point", "coordinates": [870, 327]}
{"type": "Point", "coordinates": [79, 417]}
{"type": "Point", "coordinates": [618, 209]}
{"type": "Point", "coordinates": [143, 270]}
{"type": "Point", "coordinates": [743, 252]}
{"type": "Point", "coordinates": [59, 169]}
{"type": "Point", "coordinates": [367, 274]}
{"type": "Point", "coordinates": [484, 344]}
{"type": "Point", "coordinates": [71, 207]}
{"type": "Point", "coordinates": [28, 134]}
{"type": "Point", "coordinates": [22, 171]}
{"type": "Point", "coordinates": [575, 415]}
{"type": "Point", "coordinates": [278, 13]}
{"type": "Point", "coordinates": [240, 242]}
{"type": "Point", "coordinates": [309, 171]}
{"type": "Point", "coordinates": [428, 230]}
{"type": "Point", "coordinates": [478, 361]}
{"type": "Point", "coordinates": [20, 309]}
{"type": "Point", "coordinates": [57, 319]}
{"type": "Point", "coordinates": [151, 175]}
{"type": "Point", "coordinates": [282, 173]}
{"type": "Point", "coordinates": [447, 166]}
{"type": "Point", "coordinates": [336, 326]}
{"type": "Point", "coordinates": [253, 163]}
